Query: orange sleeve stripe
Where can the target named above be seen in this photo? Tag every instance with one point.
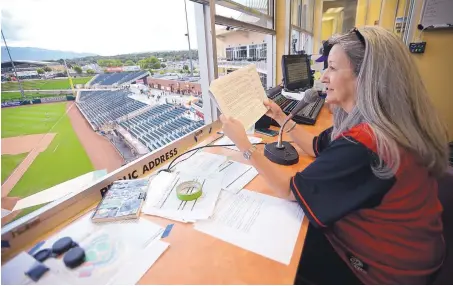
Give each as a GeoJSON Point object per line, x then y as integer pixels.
{"type": "Point", "coordinates": [306, 205]}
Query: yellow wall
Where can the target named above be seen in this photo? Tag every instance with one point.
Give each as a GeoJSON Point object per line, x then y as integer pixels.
{"type": "Point", "coordinates": [327, 29]}
{"type": "Point", "coordinates": [387, 19]}
{"type": "Point", "coordinates": [374, 11]}
{"type": "Point", "coordinates": [317, 22]}
{"type": "Point", "coordinates": [435, 68]}
{"type": "Point", "coordinates": [361, 13]}
{"type": "Point", "coordinates": [367, 12]}
{"type": "Point", "coordinates": [280, 30]}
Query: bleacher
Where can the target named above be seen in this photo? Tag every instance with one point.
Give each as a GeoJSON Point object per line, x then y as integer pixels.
{"type": "Point", "coordinates": [117, 78]}
{"type": "Point", "coordinates": [160, 125]}
{"type": "Point", "coordinates": [106, 106]}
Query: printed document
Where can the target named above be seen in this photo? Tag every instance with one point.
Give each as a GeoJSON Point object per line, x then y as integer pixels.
{"type": "Point", "coordinates": [240, 95]}
{"type": "Point", "coordinates": [260, 223]}
{"type": "Point", "coordinates": [162, 199]}
{"type": "Point", "coordinates": [235, 175]}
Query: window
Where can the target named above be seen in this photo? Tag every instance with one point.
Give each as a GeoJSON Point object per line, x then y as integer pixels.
{"type": "Point", "coordinates": [137, 102]}
{"type": "Point", "coordinates": [244, 36]}
{"type": "Point", "coordinates": [302, 26]}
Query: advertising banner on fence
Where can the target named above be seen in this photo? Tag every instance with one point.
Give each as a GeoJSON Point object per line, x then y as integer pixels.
{"type": "Point", "coordinates": [53, 99]}
{"type": "Point", "coordinates": [131, 68]}
{"type": "Point", "coordinates": [115, 69]}
{"type": "Point", "coordinates": [10, 103]}
{"type": "Point", "coordinates": [27, 73]}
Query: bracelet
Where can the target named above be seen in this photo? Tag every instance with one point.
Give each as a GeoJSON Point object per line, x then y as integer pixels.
{"type": "Point", "coordinates": [291, 128]}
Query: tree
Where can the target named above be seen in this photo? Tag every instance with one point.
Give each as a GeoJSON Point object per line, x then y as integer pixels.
{"type": "Point", "coordinates": [129, 63]}
{"type": "Point", "coordinates": [90, 71]}
{"type": "Point", "coordinates": [163, 65]}
{"type": "Point", "coordinates": [47, 69]}
{"type": "Point", "coordinates": [186, 67]}
{"type": "Point", "coordinates": [151, 71]}
{"type": "Point", "coordinates": [40, 71]}
{"type": "Point", "coordinates": [77, 69]}
{"type": "Point", "coordinates": [162, 72]}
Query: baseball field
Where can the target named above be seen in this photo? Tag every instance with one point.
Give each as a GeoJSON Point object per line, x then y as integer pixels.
{"type": "Point", "coordinates": [40, 136]}
{"type": "Point", "coordinates": [44, 145]}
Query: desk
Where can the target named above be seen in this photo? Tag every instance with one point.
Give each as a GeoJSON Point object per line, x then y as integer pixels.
{"type": "Point", "coordinates": [196, 258]}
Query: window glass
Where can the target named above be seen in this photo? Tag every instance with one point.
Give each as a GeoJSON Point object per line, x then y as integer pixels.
{"type": "Point", "coordinates": [141, 88]}
{"type": "Point", "coordinates": [237, 48]}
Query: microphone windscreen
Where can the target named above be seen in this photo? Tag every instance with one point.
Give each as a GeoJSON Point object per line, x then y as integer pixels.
{"type": "Point", "coordinates": [310, 95]}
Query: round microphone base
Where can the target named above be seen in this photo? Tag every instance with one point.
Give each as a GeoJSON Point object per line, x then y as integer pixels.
{"type": "Point", "coordinates": [286, 156]}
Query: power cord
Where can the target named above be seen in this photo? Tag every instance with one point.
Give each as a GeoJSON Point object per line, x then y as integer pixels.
{"type": "Point", "coordinates": [197, 149]}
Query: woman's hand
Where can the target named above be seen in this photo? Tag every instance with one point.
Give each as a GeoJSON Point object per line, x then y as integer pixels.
{"type": "Point", "coordinates": [274, 111]}
{"type": "Point", "coordinates": [236, 132]}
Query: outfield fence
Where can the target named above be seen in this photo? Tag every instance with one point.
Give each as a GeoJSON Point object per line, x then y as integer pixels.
{"type": "Point", "coordinates": [12, 103]}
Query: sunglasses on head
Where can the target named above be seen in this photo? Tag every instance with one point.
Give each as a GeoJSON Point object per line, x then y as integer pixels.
{"type": "Point", "coordinates": [359, 35]}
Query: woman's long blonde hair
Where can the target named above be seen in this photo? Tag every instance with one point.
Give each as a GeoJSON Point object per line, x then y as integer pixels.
{"type": "Point", "coordinates": [393, 100]}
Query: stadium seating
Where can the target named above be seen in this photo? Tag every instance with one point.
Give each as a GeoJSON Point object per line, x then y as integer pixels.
{"type": "Point", "coordinates": [101, 107]}
{"type": "Point", "coordinates": [160, 125]}
{"type": "Point", "coordinates": [117, 78]}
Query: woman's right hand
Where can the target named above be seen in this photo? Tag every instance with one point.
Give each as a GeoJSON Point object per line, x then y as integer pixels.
{"type": "Point", "coordinates": [274, 111]}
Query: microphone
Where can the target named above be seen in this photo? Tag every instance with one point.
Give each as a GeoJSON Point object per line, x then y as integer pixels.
{"type": "Point", "coordinates": [284, 153]}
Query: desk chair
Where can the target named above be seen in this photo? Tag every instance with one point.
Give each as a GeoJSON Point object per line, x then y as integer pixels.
{"type": "Point", "coordinates": [445, 274]}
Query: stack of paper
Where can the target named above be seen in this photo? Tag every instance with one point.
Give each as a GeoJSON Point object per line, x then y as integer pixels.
{"type": "Point", "coordinates": [162, 198]}
{"type": "Point", "coordinates": [260, 223]}
{"type": "Point", "coordinates": [235, 175]}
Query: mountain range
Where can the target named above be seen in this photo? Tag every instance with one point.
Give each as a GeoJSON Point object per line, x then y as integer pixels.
{"type": "Point", "coordinates": [38, 54]}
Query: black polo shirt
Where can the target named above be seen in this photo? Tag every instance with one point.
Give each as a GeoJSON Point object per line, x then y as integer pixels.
{"type": "Point", "coordinates": [389, 231]}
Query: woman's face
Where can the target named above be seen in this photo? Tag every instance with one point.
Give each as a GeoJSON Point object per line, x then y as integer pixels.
{"type": "Point", "coordinates": [340, 79]}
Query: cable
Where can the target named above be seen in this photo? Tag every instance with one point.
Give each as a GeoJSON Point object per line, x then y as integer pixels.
{"type": "Point", "coordinates": [198, 148]}
{"type": "Point", "coordinates": [220, 137]}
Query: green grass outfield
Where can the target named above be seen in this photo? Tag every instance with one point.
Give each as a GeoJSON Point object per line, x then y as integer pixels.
{"type": "Point", "coordinates": [45, 84]}
{"type": "Point", "coordinates": [9, 163]}
{"type": "Point", "coordinates": [64, 158]}
{"type": "Point", "coordinates": [17, 96]}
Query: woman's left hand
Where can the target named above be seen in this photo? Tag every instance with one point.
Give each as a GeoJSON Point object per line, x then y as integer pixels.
{"type": "Point", "coordinates": [236, 132]}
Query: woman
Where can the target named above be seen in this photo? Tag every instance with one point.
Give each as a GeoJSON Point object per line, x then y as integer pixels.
{"type": "Point", "coordinates": [371, 193]}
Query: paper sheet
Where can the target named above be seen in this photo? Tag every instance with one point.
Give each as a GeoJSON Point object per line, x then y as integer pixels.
{"type": "Point", "coordinates": [226, 141]}
{"type": "Point", "coordinates": [240, 95]}
{"type": "Point", "coordinates": [262, 224]}
{"type": "Point", "coordinates": [235, 175]}
{"type": "Point", "coordinates": [143, 261]}
{"type": "Point", "coordinates": [162, 199]}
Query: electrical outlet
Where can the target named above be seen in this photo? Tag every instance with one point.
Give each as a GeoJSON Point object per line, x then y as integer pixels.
{"type": "Point", "coordinates": [417, 48]}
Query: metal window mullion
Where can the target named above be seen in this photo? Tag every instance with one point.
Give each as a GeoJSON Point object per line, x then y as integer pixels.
{"type": "Point", "coordinates": [243, 9]}
{"type": "Point", "coordinates": [237, 7]}
{"type": "Point", "coordinates": [298, 29]}
{"type": "Point", "coordinates": [221, 20]}
{"type": "Point", "coordinates": [207, 59]}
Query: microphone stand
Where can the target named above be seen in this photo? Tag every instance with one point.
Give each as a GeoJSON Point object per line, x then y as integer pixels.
{"type": "Point", "coordinates": [281, 152]}
{"type": "Point", "coordinates": [280, 133]}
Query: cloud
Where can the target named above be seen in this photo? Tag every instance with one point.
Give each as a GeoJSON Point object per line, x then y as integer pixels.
{"type": "Point", "coordinates": [100, 26]}
{"type": "Point", "coordinates": [11, 28]}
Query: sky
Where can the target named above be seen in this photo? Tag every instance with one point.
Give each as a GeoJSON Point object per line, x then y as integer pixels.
{"type": "Point", "coordinates": [99, 26]}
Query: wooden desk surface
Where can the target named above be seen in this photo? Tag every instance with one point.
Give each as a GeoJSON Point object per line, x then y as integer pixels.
{"type": "Point", "coordinates": [197, 258]}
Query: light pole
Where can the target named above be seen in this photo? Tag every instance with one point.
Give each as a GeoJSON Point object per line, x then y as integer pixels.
{"type": "Point", "coordinates": [188, 40]}
{"type": "Point", "coordinates": [14, 67]}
